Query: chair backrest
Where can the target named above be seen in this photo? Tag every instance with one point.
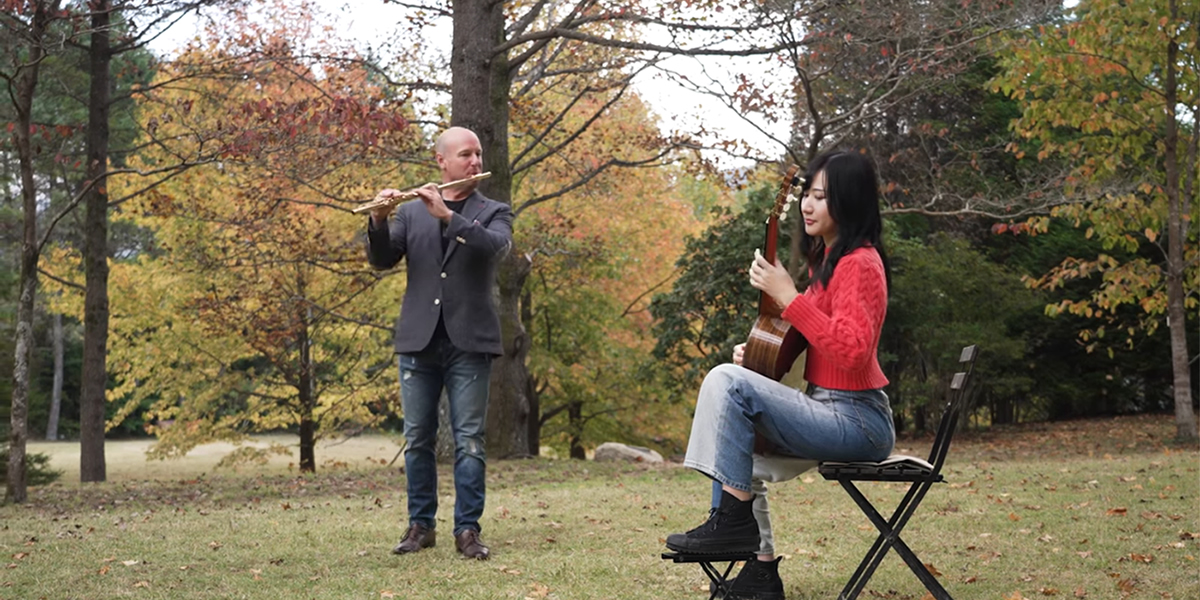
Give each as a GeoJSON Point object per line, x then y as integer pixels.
{"type": "Point", "coordinates": [959, 397]}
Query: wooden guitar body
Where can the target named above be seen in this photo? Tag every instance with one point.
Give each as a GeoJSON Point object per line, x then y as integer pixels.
{"type": "Point", "coordinates": [772, 347]}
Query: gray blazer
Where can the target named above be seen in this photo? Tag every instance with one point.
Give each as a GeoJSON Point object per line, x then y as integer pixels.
{"type": "Point", "coordinates": [457, 286]}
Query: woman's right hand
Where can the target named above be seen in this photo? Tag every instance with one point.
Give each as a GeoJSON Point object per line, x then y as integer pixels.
{"type": "Point", "coordinates": [739, 351]}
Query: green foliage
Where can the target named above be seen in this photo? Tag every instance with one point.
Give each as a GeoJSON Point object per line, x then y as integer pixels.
{"type": "Point", "coordinates": [1093, 93]}
{"type": "Point", "coordinates": [946, 295]}
{"type": "Point", "coordinates": [37, 468]}
{"type": "Point", "coordinates": [712, 307]}
{"type": "Point", "coordinates": [1070, 381]}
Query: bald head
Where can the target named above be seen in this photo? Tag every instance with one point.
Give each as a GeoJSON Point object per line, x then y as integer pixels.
{"type": "Point", "coordinates": [459, 156]}
{"type": "Point", "coordinates": [453, 136]}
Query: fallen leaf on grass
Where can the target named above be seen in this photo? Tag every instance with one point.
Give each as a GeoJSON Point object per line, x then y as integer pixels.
{"type": "Point", "coordinates": [142, 584]}
{"type": "Point", "coordinates": [129, 563]}
{"type": "Point", "coordinates": [1126, 585]}
{"type": "Point", "coordinates": [539, 591]}
{"type": "Point", "coordinates": [103, 570]}
{"type": "Point", "coordinates": [1118, 511]}
{"type": "Point", "coordinates": [933, 570]}
{"type": "Point", "coordinates": [20, 555]}
{"type": "Point", "coordinates": [1016, 596]}
{"type": "Point", "coordinates": [1049, 591]}
{"type": "Point", "coordinates": [387, 594]}
{"type": "Point", "coordinates": [1080, 593]}
{"type": "Point", "coordinates": [1014, 517]}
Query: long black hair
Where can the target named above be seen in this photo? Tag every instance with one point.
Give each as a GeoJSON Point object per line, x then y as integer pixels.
{"type": "Point", "coordinates": [852, 195]}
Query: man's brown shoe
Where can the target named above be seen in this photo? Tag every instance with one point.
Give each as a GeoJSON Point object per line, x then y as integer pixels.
{"type": "Point", "coordinates": [470, 546]}
{"type": "Point", "coordinates": [417, 537]}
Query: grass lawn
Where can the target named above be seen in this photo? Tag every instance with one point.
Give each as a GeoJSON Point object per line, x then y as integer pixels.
{"type": "Point", "coordinates": [1089, 509]}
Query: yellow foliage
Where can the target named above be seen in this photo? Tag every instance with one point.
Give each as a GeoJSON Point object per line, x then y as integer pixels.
{"type": "Point", "coordinates": [256, 310]}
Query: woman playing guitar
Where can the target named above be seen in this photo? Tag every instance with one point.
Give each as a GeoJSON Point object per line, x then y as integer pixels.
{"type": "Point", "coordinates": [844, 415]}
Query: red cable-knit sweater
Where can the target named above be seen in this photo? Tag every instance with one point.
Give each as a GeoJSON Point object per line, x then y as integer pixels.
{"type": "Point", "coordinates": [842, 322]}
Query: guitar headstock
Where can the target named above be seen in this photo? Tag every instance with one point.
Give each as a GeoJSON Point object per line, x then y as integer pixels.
{"type": "Point", "coordinates": [785, 198]}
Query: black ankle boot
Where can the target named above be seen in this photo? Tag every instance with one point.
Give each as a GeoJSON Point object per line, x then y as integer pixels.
{"type": "Point", "coordinates": [758, 580]}
{"type": "Point", "coordinates": [730, 528]}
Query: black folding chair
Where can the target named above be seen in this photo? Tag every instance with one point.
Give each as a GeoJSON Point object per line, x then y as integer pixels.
{"type": "Point", "coordinates": [719, 578]}
{"type": "Point", "coordinates": [921, 475]}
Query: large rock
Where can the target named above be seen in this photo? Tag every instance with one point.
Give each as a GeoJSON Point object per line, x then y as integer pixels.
{"type": "Point", "coordinates": [613, 451]}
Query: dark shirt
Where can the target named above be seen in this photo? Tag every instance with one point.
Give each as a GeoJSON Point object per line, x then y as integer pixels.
{"type": "Point", "coordinates": [439, 333]}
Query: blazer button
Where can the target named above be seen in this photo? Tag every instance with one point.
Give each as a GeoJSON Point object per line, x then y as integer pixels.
{"type": "Point", "coordinates": [461, 240]}
{"type": "Point", "coordinates": [437, 301]}
{"type": "Point", "coordinates": [443, 275]}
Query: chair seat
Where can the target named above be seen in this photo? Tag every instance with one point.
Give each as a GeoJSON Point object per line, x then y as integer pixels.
{"type": "Point", "coordinates": [897, 467]}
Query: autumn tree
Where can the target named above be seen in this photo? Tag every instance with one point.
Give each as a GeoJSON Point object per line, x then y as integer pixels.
{"type": "Point", "coordinates": [258, 312]}
{"type": "Point", "coordinates": [1114, 91]}
{"type": "Point", "coordinates": [596, 259]}
{"type": "Point", "coordinates": [711, 306]}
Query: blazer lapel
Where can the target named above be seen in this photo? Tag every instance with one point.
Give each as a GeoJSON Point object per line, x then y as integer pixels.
{"type": "Point", "coordinates": [471, 209]}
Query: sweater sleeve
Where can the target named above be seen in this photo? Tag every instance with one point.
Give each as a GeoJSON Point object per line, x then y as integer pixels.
{"type": "Point", "coordinates": [857, 297]}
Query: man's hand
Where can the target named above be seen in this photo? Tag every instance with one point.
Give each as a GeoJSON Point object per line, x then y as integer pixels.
{"type": "Point", "coordinates": [739, 352]}
{"type": "Point", "coordinates": [772, 279]}
{"type": "Point", "coordinates": [379, 215]}
{"type": "Point", "coordinates": [434, 202]}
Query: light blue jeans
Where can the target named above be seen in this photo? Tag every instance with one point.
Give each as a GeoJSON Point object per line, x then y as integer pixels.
{"type": "Point", "coordinates": [736, 402]}
{"type": "Point", "coordinates": [465, 376]}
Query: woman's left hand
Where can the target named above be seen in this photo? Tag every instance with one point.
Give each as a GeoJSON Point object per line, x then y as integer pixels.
{"type": "Point", "coordinates": [772, 279]}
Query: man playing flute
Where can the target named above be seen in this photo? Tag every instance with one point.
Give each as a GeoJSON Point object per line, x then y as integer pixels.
{"type": "Point", "coordinates": [448, 331]}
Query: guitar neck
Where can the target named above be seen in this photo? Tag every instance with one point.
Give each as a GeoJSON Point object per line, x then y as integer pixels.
{"type": "Point", "coordinates": [766, 306]}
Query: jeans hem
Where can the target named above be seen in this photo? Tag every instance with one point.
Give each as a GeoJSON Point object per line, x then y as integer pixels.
{"type": "Point", "coordinates": [711, 472]}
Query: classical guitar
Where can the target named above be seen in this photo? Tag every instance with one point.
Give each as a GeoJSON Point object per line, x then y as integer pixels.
{"type": "Point", "coordinates": [773, 344]}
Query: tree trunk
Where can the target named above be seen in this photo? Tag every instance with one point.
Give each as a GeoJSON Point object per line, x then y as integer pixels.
{"type": "Point", "coordinates": [1002, 411]}
{"type": "Point", "coordinates": [534, 422]}
{"type": "Point", "coordinates": [308, 395]}
{"type": "Point", "coordinates": [95, 254]}
{"type": "Point", "coordinates": [56, 391]}
{"type": "Point", "coordinates": [509, 410]}
{"type": "Point", "coordinates": [575, 425]}
{"type": "Point", "coordinates": [480, 88]}
{"type": "Point", "coordinates": [1185, 417]}
{"type": "Point", "coordinates": [308, 453]}
{"type": "Point", "coordinates": [27, 78]}
{"type": "Point", "coordinates": [533, 435]}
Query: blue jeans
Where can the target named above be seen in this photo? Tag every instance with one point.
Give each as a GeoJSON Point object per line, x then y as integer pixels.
{"type": "Point", "coordinates": [735, 402]}
{"type": "Point", "coordinates": [465, 376]}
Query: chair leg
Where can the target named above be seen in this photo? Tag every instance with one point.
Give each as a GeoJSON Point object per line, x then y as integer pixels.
{"type": "Point", "coordinates": [720, 580]}
{"type": "Point", "coordinates": [889, 537]}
